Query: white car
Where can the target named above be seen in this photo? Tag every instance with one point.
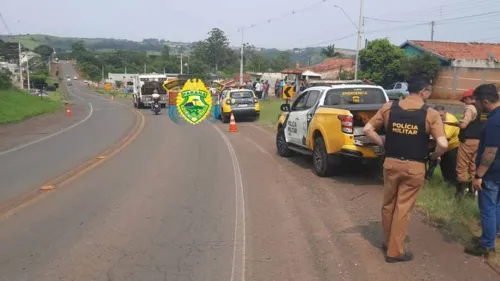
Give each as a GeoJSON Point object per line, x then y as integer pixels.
{"type": "Point", "coordinates": [75, 78]}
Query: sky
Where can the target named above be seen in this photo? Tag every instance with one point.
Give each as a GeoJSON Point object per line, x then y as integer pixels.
{"type": "Point", "coordinates": [282, 24]}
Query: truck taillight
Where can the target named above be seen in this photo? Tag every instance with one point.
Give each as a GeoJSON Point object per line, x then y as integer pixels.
{"type": "Point", "coordinates": [347, 123]}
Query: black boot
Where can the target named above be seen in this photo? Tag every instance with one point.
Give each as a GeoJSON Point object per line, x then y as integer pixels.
{"type": "Point", "coordinates": [470, 191]}
{"type": "Point", "coordinates": [459, 194]}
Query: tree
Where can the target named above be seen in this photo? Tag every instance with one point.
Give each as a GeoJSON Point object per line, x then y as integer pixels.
{"type": "Point", "coordinates": [44, 51]}
{"type": "Point", "coordinates": [345, 74]}
{"type": "Point", "coordinates": [424, 64]}
{"type": "Point", "coordinates": [217, 47]}
{"type": "Point", "coordinates": [380, 62]}
{"type": "Point", "coordinates": [10, 51]}
{"type": "Point", "coordinates": [282, 61]}
{"type": "Point", "coordinates": [165, 53]}
{"type": "Point", "coordinates": [329, 52]}
{"type": "Point", "coordinates": [5, 78]}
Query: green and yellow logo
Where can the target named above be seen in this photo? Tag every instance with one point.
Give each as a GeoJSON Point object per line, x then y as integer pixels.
{"type": "Point", "coordinates": [194, 101]}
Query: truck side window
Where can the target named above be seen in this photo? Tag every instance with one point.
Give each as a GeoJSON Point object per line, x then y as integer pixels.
{"type": "Point", "coordinates": [332, 98]}
{"type": "Point", "coordinates": [398, 86]}
{"type": "Point", "coordinates": [300, 102]}
{"type": "Point", "coordinates": [391, 87]}
{"type": "Point", "coordinates": [313, 98]}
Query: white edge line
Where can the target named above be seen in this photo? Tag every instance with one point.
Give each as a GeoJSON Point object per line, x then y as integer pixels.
{"type": "Point", "coordinates": [99, 97]}
{"type": "Point", "coordinates": [71, 93]}
{"type": "Point", "coordinates": [49, 136]}
{"type": "Point", "coordinates": [238, 265]}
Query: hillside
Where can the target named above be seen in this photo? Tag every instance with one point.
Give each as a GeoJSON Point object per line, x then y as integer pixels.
{"type": "Point", "coordinates": [61, 44]}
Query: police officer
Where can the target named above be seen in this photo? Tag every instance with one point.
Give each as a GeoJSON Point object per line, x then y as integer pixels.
{"type": "Point", "coordinates": [408, 124]}
{"type": "Point", "coordinates": [471, 127]}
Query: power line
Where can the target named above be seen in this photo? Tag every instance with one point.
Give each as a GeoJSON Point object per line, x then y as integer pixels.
{"type": "Point", "coordinates": [471, 16]}
{"type": "Point", "coordinates": [281, 17]}
{"type": "Point", "coordinates": [392, 21]}
{"type": "Point", "coordinates": [5, 24]}
{"type": "Point", "coordinates": [446, 9]}
{"type": "Point", "coordinates": [330, 40]}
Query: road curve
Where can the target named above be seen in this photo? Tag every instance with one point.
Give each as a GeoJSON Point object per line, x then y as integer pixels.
{"type": "Point", "coordinates": [162, 209]}
{"type": "Point", "coordinates": [28, 166]}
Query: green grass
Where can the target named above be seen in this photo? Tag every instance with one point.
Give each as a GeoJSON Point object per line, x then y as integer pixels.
{"type": "Point", "coordinates": [16, 105]}
{"type": "Point", "coordinates": [458, 220]}
{"type": "Point", "coordinates": [269, 111]}
{"type": "Point", "coordinates": [116, 94]}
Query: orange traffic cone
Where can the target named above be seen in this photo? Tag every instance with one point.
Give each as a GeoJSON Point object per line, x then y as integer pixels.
{"type": "Point", "coordinates": [68, 110]}
{"type": "Point", "coordinates": [232, 125]}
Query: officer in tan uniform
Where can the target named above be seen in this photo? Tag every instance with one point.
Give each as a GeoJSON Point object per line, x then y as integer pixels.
{"type": "Point", "coordinates": [408, 125]}
{"type": "Point", "coordinates": [471, 127]}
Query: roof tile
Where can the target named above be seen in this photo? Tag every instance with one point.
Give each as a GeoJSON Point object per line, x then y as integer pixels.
{"type": "Point", "coordinates": [329, 64]}
{"type": "Point", "coordinates": [460, 50]}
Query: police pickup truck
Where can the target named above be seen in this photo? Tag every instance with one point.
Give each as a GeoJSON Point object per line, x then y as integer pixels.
{"type": "Point", "coordinates": [327, 120]}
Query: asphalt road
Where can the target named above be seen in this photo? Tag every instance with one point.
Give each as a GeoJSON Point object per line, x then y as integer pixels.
{"type": "Point", "coordinates": [162, 209]}
{"type": "Point", "coordinates": [199, 203]}
{"type": "Point", "coordinates": [102, 123]}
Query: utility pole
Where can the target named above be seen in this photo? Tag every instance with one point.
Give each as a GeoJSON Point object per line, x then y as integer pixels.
{"type": "Point", "coordinates": [125, 69]}
{"type": "Point", "coordinates": [241, 59]}
{"type": "Point", "coordinates": [28, 72]}
{"type": "Point", "coordinates": [144, 68]}
{"type": "Point", "coordinates": [20, 67]}
{"type": "Point", "coordinates": [102, 73]}
{"type": "Point", "coordinates": [360, 37]}
{"type": "Point", "coordinates": [433, 24]}
{"type": "Point", "coordinates": [181, 64]}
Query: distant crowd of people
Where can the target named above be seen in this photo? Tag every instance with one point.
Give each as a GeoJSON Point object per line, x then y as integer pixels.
{"type": "Point", "coordinates": [260, 87]}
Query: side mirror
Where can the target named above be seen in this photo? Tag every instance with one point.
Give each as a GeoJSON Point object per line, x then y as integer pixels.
{"type": "Point", "coordinates": [285, 107]}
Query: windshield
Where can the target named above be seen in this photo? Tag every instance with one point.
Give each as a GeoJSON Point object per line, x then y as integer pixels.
{"type": "Point", "coordinates": [359, 95]}
{"type": "Point", "coordinates": [242, 95]}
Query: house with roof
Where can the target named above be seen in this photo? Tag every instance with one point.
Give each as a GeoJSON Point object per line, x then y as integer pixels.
{"type": "Point", "coordinates": [464, 65]}
{"type": "Point", "coordinates": [328, 69]}
{"type": "Point", "coordinates": [457, 54]}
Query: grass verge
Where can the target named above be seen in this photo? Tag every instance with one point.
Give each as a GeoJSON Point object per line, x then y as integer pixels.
{"type": "Point", "coordinates": [17, 105]}
{"type": "Point", "coordinates": [458, 220]}
{"type": "Point", "coordinates": [116, 94]}
{"type": "Point", "coordinates": [269, 112]}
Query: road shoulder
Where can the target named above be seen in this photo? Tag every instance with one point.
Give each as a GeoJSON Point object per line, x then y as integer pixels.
{"type": "Point", "coordinates": [345, 212]}
{"type": "Point", "coordinates": [13, 135]}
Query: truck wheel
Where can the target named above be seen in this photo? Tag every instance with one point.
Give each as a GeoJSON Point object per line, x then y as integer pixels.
{"type": "Point", "coordinates": [322, 167]}
{"type": "Point", "coordinates": [281, 145]}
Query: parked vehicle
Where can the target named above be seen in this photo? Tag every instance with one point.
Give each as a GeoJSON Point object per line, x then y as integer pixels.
{"type": "Point", "coordinates": [144, 85]}
{"type": "Point", "coordinates": [397, 91]}
{"type": "Point", "coordinates": [327, 122]}
{"type": "Point", "coordinates": [240, 102]}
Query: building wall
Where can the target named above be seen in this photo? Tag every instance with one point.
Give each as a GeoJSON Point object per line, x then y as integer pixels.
{"type": "Point", "coordinates": [333, 74]}
{"type": "Point", "coordinates": [475, 63]}
{"type": "Point", "coordinates": [451, 82]}
{"type": "Point", "coordinates": [411, 51]}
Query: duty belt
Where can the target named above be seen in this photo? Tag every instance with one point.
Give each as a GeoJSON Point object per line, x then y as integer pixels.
{"type": "Point", "coordinates": [407, 159]}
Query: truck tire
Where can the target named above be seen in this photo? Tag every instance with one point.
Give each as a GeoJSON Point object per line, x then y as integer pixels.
{"type": "Point", "coordinates": [281, 145]}
{"type": "Point", "coordinates": [322, 166]}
